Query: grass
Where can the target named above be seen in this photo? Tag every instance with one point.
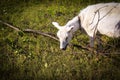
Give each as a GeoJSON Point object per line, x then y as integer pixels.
{"type": "Point", "coordinates": [34, 57]}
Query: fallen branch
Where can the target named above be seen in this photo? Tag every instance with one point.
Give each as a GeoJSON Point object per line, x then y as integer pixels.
{"type": "Point", "coordinates": [9, 25]}
{"type": "Point", "coordinates": [41, 33]}
{"type": "Point", "coordinates": [29, 30]}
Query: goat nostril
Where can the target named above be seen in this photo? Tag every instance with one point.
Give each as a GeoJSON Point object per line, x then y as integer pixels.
{"type": "Point", "coordinates": [63, 48]}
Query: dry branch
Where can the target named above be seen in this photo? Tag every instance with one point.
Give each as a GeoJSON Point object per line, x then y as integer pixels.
{"type": "Point", "coordinates": [29, 31]}
{"type": "Point", "coordinates": [41, 33]}
{"type": "Point", "coordinates": [9, 25]}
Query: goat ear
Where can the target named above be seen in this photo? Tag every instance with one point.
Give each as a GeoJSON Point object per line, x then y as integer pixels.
{"type": "Point", "coordinates": [70, 29]}
{"type": "Point", "coordinates": [56, 25]}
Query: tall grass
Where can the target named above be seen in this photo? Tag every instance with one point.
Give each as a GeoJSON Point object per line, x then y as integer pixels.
{"type": "Point", "coordinates": [34, 57]}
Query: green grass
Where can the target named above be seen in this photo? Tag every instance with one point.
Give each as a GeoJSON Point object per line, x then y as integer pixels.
{"type": "Point", "coordinates": [25, 56]}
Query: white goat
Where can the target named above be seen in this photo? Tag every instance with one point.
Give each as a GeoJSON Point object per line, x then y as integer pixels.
{"type": "Point", "coordinates": [103, 18]}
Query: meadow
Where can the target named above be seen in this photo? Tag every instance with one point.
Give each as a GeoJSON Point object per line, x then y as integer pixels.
{"type": "Point", "coordinates": [28, 56]}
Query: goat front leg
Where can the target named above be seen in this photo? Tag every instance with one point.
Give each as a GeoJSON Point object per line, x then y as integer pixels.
{"type": "Point", "coordinates": [91, 42]}
{"type": "Point", "coordinates": [90, 46]}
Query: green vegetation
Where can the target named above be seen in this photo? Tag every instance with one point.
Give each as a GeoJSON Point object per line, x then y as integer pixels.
{"type": "Point", "coordinates": [25, 56]}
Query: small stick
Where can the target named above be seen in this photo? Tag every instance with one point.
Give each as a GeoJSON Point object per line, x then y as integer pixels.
{"type": "Point", "coordinates": [29, 31]}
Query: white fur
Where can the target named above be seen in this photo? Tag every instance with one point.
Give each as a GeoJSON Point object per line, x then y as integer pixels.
{"type": "Point", "coordinates": [104, 17]}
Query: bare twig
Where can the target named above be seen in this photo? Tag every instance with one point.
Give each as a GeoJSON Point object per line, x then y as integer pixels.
{"type": "Point", "coordinates": [9, 25]}
{"type": "Point", "coordinates": [108, 12]}
{"type": "Point", "coordinates": [41, 33]}
{"type": "Point", "coordinates": [99, 19]}
{"type": "Point", "coordinates": [29, 30]}
{"type": "Point", "coordinates": [98, 11]}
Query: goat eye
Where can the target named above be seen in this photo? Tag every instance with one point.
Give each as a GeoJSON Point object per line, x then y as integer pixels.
{"type": "Point", "coordinates": [66, 38]}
